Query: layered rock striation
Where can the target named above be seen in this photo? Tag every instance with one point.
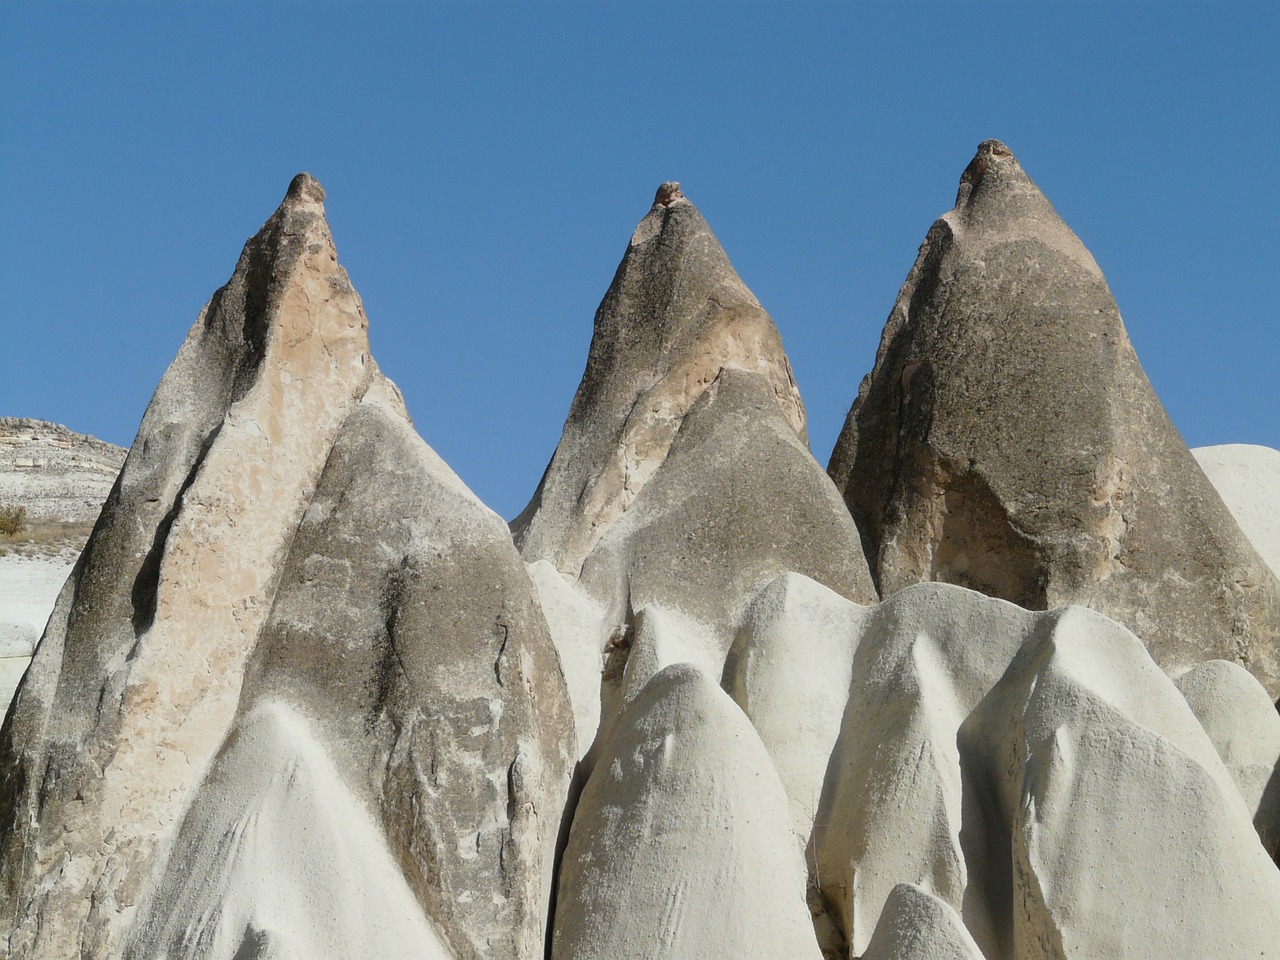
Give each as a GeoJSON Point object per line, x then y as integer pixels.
{"type": "Point", "coordinates": [1008, 441]}
{"type": "Point", "coordinates": [55, 473]}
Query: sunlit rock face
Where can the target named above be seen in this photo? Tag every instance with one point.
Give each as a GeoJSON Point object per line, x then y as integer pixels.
{"type": "Point", "coordinates": [279, 527]}
{"type": "Point", "coordinates": [304, 696]}
{"type": "Point", "coordinates": [1008, 441]}
{"type": "Point", "coordinates": [683, 479]}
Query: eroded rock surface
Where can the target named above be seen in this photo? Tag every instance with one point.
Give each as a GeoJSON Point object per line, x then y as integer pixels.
{"type": "Point", "coordinates": [915, 925]}
{"type": "Point", "coordinates": [683, 481]}
{"type": "Point", "coordinates": [279, 535]}
{"type": "Point", "coordinates": [1008, 441]}
{"type": "Point", "coordinates": [679, 848]}
{"type": "Point", "coordinates": [56, 473]}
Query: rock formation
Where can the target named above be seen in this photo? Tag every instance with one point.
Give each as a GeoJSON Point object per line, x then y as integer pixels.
{"type": "Point", "coordinates": [56, 473]}
{"type": "Point", "coordinates": [1072, 751]}
{"type": "Point", "coordinates": [302, 696]}
{"type": "Point", "coordinates": [680, 848]}
{"type": "Point", "coordinates": [683, 479]}
{"type": "Point", "coordinates": [228, 570]}
{"type": "Point", "coordinates": [1008, 441]}
{"type": "Point", "coordinates": [916, 925]}
{"type": "Point", "coordinates": [1247, 477]}
{"type": "Point", "coordinates": [1244, 728]}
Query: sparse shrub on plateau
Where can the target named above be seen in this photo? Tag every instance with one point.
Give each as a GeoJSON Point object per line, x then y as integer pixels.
{"type": "Point", "coordinates": [13, 519]}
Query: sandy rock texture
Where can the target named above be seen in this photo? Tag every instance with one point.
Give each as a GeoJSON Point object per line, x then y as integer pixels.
{"type": "Point", "coordinates": [1247, 477]}
{"type": "Point", "coordinates": [192, 582]}
{"type": "Point", "coordinates": [915, 925]}
{"type": "Point", "coordinates": [1008, 441]}
{"type": "Point", "coordinates": [680, 848]}
{"type": "Point", "coordinates": [56, 473]}
{"type": "Point", "coordinates": [683, 479]}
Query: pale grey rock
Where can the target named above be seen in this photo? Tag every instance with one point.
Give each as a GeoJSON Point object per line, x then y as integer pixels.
{"type": "Point", "coordinates": [1126, 836]}
{"type": "Point", "coordinates": [278, 860]}
{"type": "Point", "coordinates": [576, 623]}
{"type": "Point", "coordinates": [1247, 477]}
{"type": "Point", "coordinates": [1244, 727]}
{"type": "Point", "coordinates": [1007, 440]}
{"type": "Point", "coordinates": [915, 925]}
{"type": "Point", "coordinates": [679, 848]}
{"type": "Point", "coordinates": [56, 473]}
{"type": "Point", "coordinates": [789, 670]}
{"type": "Point", "coordinates": [896, 805]}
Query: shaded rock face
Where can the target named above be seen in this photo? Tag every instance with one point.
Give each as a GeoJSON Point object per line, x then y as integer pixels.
{"type": "Point", "coordinates": [227, 569]}
{"type": "Point", "coordinates": [56, 473]}
{"type": "Point", "coordinates": [1008, 441]}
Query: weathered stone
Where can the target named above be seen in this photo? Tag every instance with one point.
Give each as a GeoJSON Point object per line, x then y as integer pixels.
{"type": "Point", "coordinates": [1007, 440]}
{"type": "Point", "coordinates": [405, 626]}
{"type": "Point", "coordinates": [683, 481]}
{"type": "Point", "coordinates": [1115, 823]}
{"type": "Point", "coordinates": [55, 473]}
{"type": "Point", "coordinates": [675, 315]}
{"type": "Point", "coordinates": [895, 807]}
{"type": "Point", "coordinates": [1244, 728]}
{"type": "Point", "coordinates": [280, 538]}
{"type": "Point", "coordinates": [137, 677]}
{"type": "Point", "coordinates": [915, 925]}
{"type": "Point", "coordinates": [679, 848]}
{"type": "Point", "coordinates": [278, 860]}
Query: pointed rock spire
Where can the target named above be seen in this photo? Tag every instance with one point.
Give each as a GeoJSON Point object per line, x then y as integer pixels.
{"type": "Point", "coordinates": [675, 315]}
{"type": "Point", "coordinates": [1008, 440]}
{"type": "Point", "coordinates": [270, 542]}
{"type": "Point", "coordinates": [683, 479]}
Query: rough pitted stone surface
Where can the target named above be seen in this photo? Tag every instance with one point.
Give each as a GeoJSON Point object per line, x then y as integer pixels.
{"type": "Point", "coordinates": [55, 473]}
{"type": "Point", "coordinates": [683, 480]}
{"type": "Point", "coordinates": [280, 538]}
{"type": "Point", "coordinates": [432, 677]}
{"type": "Point", "coordinates": [1007, 440]}
{"type": "Point", "coordinates": [675, 315]}
{"type": "Point", "coordinates": [679, 848]}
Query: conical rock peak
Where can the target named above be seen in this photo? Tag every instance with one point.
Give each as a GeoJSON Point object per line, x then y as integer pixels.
{"type": "Point", "coordinates": [1007, 440]}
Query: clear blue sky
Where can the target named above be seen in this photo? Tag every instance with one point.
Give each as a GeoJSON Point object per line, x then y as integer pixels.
{"type": "Point", "coordinates": [486, 163]}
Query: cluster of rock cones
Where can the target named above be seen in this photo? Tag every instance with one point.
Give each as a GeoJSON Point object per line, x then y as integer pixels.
{"type": "Point", "coordinates": [999, 685]}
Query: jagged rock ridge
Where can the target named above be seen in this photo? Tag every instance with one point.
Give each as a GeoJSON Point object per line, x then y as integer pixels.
{"type": "Point", "coordinates": [1007, 440]}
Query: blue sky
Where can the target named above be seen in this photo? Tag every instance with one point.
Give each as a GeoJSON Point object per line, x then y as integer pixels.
{"type": "Point", "coordinates": [486, 163]}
